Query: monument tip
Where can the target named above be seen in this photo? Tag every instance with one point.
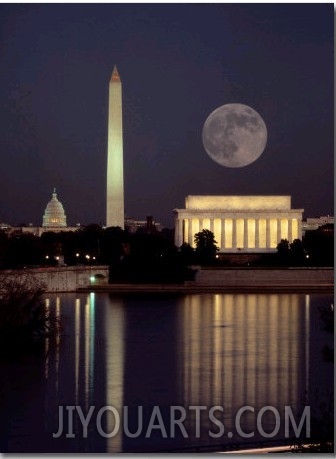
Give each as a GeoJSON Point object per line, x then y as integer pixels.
{"type": "Point", "coordinates": [115, 75]}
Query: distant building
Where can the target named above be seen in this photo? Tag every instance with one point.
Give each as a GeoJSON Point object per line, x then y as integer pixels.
{"type": "Point", "coordinates": [5, 226]}
{"type": "Point", "coordinates": [239, 223]}
{"type": "Point", "coordinates": [54, 219]}
{"type": "Point", "coordinates": [148, 225]}
{"type": "Point", "coordinates": [54, 215]}
{"type": "Point", "coordinates": [315, 223]}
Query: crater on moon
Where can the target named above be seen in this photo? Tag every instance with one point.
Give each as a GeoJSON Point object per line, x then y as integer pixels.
{"type": "Point", "coordinates": [234, 135]}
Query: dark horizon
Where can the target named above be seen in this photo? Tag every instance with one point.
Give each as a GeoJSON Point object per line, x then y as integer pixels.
{"type": "Point", "coordinates": [177, 64]}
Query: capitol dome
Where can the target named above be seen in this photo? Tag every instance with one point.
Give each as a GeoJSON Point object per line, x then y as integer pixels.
{"type": "Point", "coordinates": [54, 215]}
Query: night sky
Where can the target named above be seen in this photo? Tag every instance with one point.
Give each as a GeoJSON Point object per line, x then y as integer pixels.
{"type": "Point", "coordinates": [177, 64]}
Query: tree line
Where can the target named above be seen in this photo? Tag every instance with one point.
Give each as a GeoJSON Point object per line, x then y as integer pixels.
{"type": "Point", "coordinates": [148, 253]}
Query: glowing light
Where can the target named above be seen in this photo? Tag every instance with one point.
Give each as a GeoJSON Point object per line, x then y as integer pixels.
{"type": "Point", "coordinates": [262, 233]}
{"type": "Point", "coordinates": [92, 278]}
{"type": "Point", "coordinates": [284, 228]}
{"type": "Point", "coordinates": [115, 166]}
{"type": "Point", "coordinates": [215, 368]}
{"type": "Point", "coordinates": [218, 230]}
{"type": "Point", "coordinates": [228, 232]}
{"type": "Point", "coordinates": [239, 222]}
{"type": "Point", "coordinates": [240, 232]}
{"type": "Point", "coordinates": [295, 228]}
{"type": "Point", "coordinates": [206, 223]}
{"type": "Point", "coordinates": [251, 233]}
{"type": "Point", "coordinates": [273, 232]}
{"type": "Point", "coordinates": [194, 229]}
{"type": "Point", "coordinates": [238, 202]}
{"type": "Point", "coordinates": [186, 230]}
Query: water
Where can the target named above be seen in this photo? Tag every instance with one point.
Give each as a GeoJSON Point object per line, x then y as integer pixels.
{"type": "Point", "coordinates": [226, 350]}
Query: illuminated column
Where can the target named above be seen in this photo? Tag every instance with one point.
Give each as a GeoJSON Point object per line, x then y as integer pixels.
{"type": "Point", "coordinates": [200, 224]}
{"type": "Point", "coordinates": [245, 233]}
{"type": "Point", "coordinates": [176, 229]}
{"type": "Point", "coordinates": [299, 228]}
{"type": "Point", "coordinates": [179, 235]}
{"type": "Point", "coordinates": [278, 230]}
{"type": "Point", "coordinates": [290, 237]}
{"type": "Point", "coordinates": [268, 233]}
{"type": "Point", "coordinates": [115, 166]}
{"type": "Point", "coordinates": [234, 233]}
{"type": "Point", "coordinates": [212, 224]}
{"type": "Point", "coordinates": [222, 244]}
{"type": "Point", "coordinates": [257, 233]}
{"type": "Point", "coordinates": [190, 234]}
{"type": "Point", "coordinates": [295, 228]}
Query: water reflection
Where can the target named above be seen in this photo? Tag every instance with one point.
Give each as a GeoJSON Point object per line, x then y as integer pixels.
{"type": "Point", "coordinates": [115, 342]}
{"type": "Point", "coordinates": [238, 350]}
{"type": "Point", "coordinates": [77, 344]}
{"type": "Point", "coordinates": [70, 364]}
{"type": "Point", "coordinates": [228, 350]}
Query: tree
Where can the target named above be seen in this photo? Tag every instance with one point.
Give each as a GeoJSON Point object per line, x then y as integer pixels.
{"type": "Point", "coordinates": [111, 246]}
{"type": "Point", "coordinates": [291, 254]}
{"type": "Point", "coordinates": [283, 251]}
{"type": "Point", "coordinates": [23, 249]}
{"type": "Point", "coordinates": [187, 253]}
{"type": "Point", "coordinates": [319, 244]}
{"type": "Point", "coordinates": [206, 247]}
{"type": "Point", "coordinates": [23, 319]}
{"type": "Point", "coordinates": [297, 252]}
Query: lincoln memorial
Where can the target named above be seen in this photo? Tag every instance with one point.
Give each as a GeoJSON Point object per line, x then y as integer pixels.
{"type": "Point", "coordinates": [239, 223]}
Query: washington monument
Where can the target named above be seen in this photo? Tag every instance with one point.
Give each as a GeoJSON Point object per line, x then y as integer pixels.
{"type": "Point", "coordinates": [115, 166]}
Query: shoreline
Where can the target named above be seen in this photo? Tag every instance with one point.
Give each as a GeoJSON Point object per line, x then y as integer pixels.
{"type": "Point", "coordinates": [198, 289]}
{"type": "Point", "coordinates": [68, 279]}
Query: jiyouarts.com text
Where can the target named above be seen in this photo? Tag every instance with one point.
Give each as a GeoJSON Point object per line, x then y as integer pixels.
{"type": "Point", "coordinates": [109, 421]}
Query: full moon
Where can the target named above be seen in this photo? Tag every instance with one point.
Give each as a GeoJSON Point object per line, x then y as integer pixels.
{"type": "Point", "coordinates": [234, 135]}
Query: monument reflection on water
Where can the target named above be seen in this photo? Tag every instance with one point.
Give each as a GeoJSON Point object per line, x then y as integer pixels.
{"type": "Point", "coordinates": [229, 350]}
{"type": "Point", "coordinates": [257, 354]}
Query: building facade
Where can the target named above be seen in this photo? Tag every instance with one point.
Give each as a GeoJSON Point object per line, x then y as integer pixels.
{"type": "Point", "coordinates": [54, 215]}
{"type": "Point", "coordinates": [239, 223]}
{"type": "Point", "coordinates": [149, 225]}
{"type": "Point", "coordinates": [312, 224]}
